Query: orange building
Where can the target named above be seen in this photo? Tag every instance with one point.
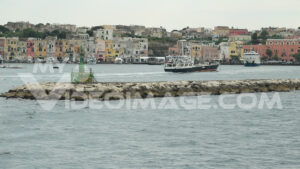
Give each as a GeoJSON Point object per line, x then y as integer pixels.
{"type": "Point", "coordinates": [284, 49]}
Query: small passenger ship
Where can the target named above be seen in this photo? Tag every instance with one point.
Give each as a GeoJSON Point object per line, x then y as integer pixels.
{"type": "Point", "coordinates": [252, 59]}
{"type": "Point", "coordinates": [186, 64]}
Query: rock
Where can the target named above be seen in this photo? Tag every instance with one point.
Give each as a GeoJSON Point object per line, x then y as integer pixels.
{"type": "Point", "coordinates": [127, 90]}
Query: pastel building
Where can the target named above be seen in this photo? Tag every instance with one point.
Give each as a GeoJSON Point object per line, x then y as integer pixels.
{"type": "Point", "coordinates": [30, 51]}
{"type": "Point", "coordinates": [238, 32]}
{"type": "Point", "coordinates": [210, 52]}
{"type": "Point", "coordinates": [60, 49]}
{"type": "Point", "coordinates": [41, 48]}
{"type": "Point", "coordinates": [236, 50]}
{"type": "Point", "coordinates": [221, 31]}
{"type": "Point", "coordinates": [100, 50]}
{"type": "Point", "coordinates": [21, 50]}
{"type": "Point", "coordinates": [243, 38]}
{"type": "Point", "coordinates": [224, 51]}
{"type": "Point", "coordinates": [51, 48]}
{"type": "Point", "coordinates": [104, 34]}
{"type": "Point", "coordinates": [10, 48]}
{"type": "Point", "coordinates": [2, 43]}
{"type": "Point", "coordinates": [196, 51]}
{"type": "Point", "coordinates": [173, 51]}
{"type": "Point", "coordinates": [110, 54]}
{"type": "Point", "coordinates": [284, 49]}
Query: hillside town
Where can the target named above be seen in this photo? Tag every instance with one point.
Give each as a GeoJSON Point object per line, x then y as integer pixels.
{"type": "Point", "coordinates": [25, 42]}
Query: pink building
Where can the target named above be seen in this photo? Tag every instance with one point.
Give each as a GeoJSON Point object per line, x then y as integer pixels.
{"type": "Point", "coordinates": [174, 51]}
{"type": "Point", "coordinates": [210, 52]}
{"type": "Point", "coordinates": [30, 49]}
{"type": "Point", "coordinates": [238, 32]}
{"type": "Point", "coordinates": [2, 42]}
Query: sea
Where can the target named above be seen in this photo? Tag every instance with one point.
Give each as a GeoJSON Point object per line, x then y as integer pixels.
{"type": "Point", "coordinates": [169, 136]}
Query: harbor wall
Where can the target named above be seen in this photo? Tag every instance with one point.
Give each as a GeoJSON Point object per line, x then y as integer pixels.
{"type": "Point", "coordinates": [129, 90]}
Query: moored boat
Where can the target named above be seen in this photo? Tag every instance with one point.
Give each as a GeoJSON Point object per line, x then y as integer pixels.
{"type": "Point", "coordinates": [185, 64]}
{"type": "Point", "coordinates": [1, 59]}
{"type": "Point", "coordinates": [118, 60]}
{"type": "Point", "coordinates": [252, 59]}
{"type": "Point", "coordinates": [91, 60]}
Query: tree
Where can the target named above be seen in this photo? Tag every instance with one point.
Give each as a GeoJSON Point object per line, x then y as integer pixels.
{"type": "Point", "coordinates": [29, 33]}
{"type": "Point", "coordinates": [90, 32]}
{"type": "Point", "coordinates": [62, 35]}
{"type": "Point", "coordinates": [39, 25]}
{"type": "Point", "coordinates": [96, 27]}
{"type": "Point", "coordinates": [276, 57]}
{"type": "Point", "coordinates": [55, 33]}
{"type": "Point", "coordinates": [254, 38]}
{"type": "Point", "coordinates": [264, 34]}
{"type": "Point", "coordinates": [4, 29]}
{"type": "Point", "coordinates": [269, 53]}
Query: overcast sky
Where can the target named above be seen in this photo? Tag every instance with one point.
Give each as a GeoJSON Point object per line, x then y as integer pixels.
{"type": "Point", "coordinates": [171, 14]}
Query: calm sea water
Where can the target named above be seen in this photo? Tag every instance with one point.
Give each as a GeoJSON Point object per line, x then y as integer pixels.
{"type": "Point", "coordinates": [31, 137]}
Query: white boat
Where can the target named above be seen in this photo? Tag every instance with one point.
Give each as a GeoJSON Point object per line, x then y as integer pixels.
{"type": "Point", "coordinates": [51, 60]}
{"type": "Point", "coordinates": [1, 59]}
{"type": "Point", "coordinates": [29, 59]}
{"type": "Point", "coordinates": [38, 60]}
{"type": "Point", "coordinates": [186, 64]}
{"type": "Point", "coordinates": [91, 60]}
{"type": "Point", "coordinates": [118, 60]}
{"type": "Point", "coordinates": [66, 60]}
{"type": "Point", "coordinates": [252, 59]}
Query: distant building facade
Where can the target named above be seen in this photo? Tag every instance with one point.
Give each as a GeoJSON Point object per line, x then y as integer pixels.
{"type": "Point", "coordinates": [283, 49]}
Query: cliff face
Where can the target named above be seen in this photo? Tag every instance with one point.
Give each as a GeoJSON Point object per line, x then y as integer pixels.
{"type": "Point", "coordinates": [160, 47]}
{"type": "Point", "coordinates": [116, 91]}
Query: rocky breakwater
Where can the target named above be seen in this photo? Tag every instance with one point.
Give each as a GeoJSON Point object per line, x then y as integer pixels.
{"type": "Point", "coordinates": [128, 90]}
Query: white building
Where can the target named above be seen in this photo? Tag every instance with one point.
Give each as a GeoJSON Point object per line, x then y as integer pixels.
{"type": "Point", "coordinates": [224, 51]}
{"type": "Point", "coordinates": [82, 30]}
{"type": "Point", "coordinates": [51, 49]}
{"type": "Point", "coordinates": [105, 34]}
{"type": "Point", "coordinates": [132, 48]}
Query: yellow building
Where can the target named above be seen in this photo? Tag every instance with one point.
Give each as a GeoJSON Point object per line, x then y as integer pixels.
{"type": "Point", "coordinates": [110, 52]}
{"type": "Point", "coordinates": [21, 50]}
{"type": "Point", "coordinates": [72, 48]}
{"type": "Point", "coordinates": [221, 31]}
{"type": "Point", "coordinates": [236, 50]}
{"type": "Point", "coordinates": [40, 48]}
{"type": "Point", "coordinates": [10, 48]}
{"type": "Point", "coordinates": [61, 49]}
{"type": "Point", "coordinates": [196, 51]}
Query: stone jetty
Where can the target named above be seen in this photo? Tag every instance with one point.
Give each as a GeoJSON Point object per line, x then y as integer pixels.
{"type": "Point", "coordinates": [129, 90]}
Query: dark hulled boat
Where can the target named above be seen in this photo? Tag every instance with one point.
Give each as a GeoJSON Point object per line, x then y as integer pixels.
{"type": "Point", "coordinates": [195, 68]}
{"type": "Point", "coordinates": [185, 64]}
